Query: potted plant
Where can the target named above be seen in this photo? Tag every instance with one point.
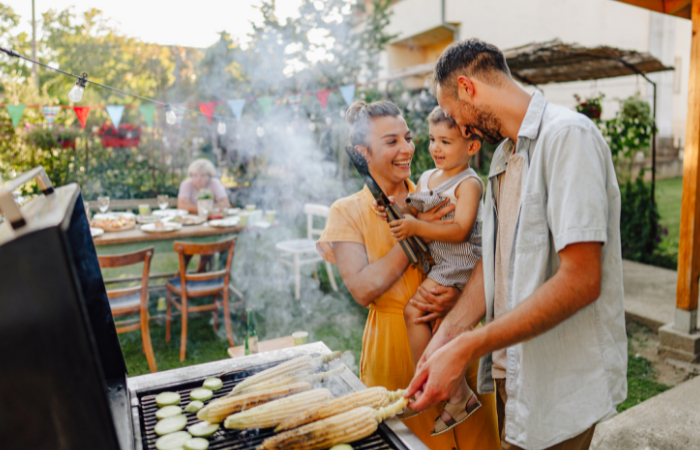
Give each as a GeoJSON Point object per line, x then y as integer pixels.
{"type": "Point", "coordinates": [127, 135]}
{"type": "Point", "coordinates": [205, 202]}
{"type": "Point", "coordinates": [48, 139]}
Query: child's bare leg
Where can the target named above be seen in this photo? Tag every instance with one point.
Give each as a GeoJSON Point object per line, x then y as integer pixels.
{"type": "Point", "coordinates": [419, 334]}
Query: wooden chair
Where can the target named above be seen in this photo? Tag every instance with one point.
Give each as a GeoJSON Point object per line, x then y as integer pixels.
{"type": "Point", "coordinates": [206, 284]}
{"type": "Point", "coordinates": [132, 300]}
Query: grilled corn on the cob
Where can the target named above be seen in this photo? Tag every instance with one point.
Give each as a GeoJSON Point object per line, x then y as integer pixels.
{"type": "Point", "coordinates": [219, 409]}
{"type": "Point", "coordinates": [286, 380]}
{"type": "Point", "coordinates": [375, 397]}
{"type": "Point", "coordinates": [346, 427]}
{"type": "Point", "coordinates": [272, 413]}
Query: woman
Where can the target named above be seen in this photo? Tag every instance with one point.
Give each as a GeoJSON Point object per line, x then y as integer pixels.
{"type": "Point", "coordinates": [377, 273]}
{"type": "Point", "coordinates": [202, 175]}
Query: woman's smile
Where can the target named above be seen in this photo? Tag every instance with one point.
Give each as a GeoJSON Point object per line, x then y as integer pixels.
{"type": "Point", "coordinates": [403, 164]}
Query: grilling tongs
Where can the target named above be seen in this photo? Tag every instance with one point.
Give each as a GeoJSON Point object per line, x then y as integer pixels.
{"type": "Point", "coordinates": [392, 211]}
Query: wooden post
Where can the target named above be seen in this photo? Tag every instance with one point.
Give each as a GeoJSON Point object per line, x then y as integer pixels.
{"type": "Point", "coordinates": [689, 245]}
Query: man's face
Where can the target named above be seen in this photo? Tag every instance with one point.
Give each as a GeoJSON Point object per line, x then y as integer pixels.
{"type": "Point", "coordinates": [470, 118]}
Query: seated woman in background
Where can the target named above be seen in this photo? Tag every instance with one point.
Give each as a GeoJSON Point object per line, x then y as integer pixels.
{"type": "Point", "coordinates": [202, 175]}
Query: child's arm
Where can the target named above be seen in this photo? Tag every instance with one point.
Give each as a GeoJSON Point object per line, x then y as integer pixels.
{"type": "Point", "coordinates": [468, 195]}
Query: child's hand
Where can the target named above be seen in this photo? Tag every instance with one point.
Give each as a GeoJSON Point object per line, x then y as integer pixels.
{"type": "Point", "coordinates": [381, 210]}
{"type": "Point", "coordinates": [404, 228]}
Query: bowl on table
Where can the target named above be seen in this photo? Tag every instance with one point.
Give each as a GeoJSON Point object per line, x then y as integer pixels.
{"type": "Point", "coordinates": [188, 220]}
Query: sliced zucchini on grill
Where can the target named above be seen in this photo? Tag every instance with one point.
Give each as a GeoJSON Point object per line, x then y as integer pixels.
{"type": "Point", "coordinates": [201, 394]}
{"type": "Point", "coordinates": [168, 411]}
{"type": "Point", "coordinates": [213, 384]}
{"type": "Point", "coordinates": [194, 406]}
{"type": "Point", "coordinates": [341, 447]}
{"type": "Point", "coordinates": [167, 398]}
{"type": "Point", "coordinates": [197, 444]}
{"type": "Point", "coordinates": [171, 425]}
{"type": "Point", "coordinates": [203, 429]}
{"type": "Point", "coordinates": [173, 441]}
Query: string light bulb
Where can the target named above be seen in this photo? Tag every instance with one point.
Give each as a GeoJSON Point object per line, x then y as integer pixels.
{"type": "Point", "coordinates": [221, 128]}
{"type": "Point", "coordinates": [170, 116]}
{"type": "Point", "coordinates": [76, 94]}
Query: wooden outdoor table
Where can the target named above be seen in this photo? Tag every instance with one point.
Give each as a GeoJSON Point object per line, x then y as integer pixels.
{"type": "Point", "coordinates": [264, 346]}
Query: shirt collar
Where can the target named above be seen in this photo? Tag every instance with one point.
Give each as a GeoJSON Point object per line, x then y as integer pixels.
{"type": "Point", "coordinates": [530, 128]}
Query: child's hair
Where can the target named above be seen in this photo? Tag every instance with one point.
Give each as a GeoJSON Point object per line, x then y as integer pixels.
{"type": "Point", "coordinates": [360, 116]}
{"type": "Point", "coordinates": [438, 116]}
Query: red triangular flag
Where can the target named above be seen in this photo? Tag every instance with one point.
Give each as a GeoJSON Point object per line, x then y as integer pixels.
{"type": "Point", "coordinates": [207, 109]}
{"type": "Point", "coordinates": [322, 97]}
{"type": "Point", "coordinates": [82, 113]}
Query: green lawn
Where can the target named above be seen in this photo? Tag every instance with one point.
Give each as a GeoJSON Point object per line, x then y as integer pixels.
{"type": "Point", "coordinates": [668, 200]}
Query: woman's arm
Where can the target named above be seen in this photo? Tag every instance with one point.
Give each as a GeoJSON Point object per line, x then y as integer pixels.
{"type": "Point", "coordinates": [185, 203]}
{"type": "Point", "coordinates": [366, 281]}
{"type": "Point", "coordinates": [468, 195]}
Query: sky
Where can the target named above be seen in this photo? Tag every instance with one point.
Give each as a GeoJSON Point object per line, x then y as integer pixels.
{"type": "Point", "coordinates": [174, 22]}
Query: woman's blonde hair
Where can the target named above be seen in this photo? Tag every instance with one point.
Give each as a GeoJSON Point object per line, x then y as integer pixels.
{"type": "Point", "coordinates": [360, 116]}
{"type": "Point", "coordinates": [201, 166]}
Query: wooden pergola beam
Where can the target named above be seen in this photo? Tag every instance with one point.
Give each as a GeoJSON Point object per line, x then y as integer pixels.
{"type": "Point", "coordinates": [689, 244]}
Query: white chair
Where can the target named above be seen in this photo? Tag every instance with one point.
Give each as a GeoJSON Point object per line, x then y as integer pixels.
{"type": "Point", "coordinates": [301, 247]}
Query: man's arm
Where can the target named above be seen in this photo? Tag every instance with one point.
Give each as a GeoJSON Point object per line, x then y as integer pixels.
{"type": "Point", "coordinates": [576, 285]}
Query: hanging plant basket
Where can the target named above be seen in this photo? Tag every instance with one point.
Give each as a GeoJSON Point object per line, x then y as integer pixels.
{"type": "Point", "coordinates": [127, 135]}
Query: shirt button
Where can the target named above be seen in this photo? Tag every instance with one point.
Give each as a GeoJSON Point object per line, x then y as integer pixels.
{"type": "Point", "coordinates": [498, 168]}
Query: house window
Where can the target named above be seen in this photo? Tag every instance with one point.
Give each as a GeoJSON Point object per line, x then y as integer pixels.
{"type": "Point", "coordinates": [677, 72]}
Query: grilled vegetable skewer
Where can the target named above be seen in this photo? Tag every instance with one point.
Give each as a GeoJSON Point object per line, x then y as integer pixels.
{"type": "Point", "coordinates": [346, 427]}
{"type": "Point", "coordinates": [375, 397]}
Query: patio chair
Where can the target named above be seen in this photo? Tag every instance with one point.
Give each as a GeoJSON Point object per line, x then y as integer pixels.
{"type": "Point", "coordinates": [132, 300]}
{"type": "Point", "coordinates": [208, 284]}
{"type": "Point", "coordinates": [300, 247]}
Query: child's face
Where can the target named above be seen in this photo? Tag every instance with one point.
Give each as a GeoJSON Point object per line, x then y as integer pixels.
{"type": "Point", "coordinates": [449, 148]}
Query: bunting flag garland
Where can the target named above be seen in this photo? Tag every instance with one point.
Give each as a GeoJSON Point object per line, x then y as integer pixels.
{"type": "Point", "coordinates": [50, 114]}
{"type": "Point", "coordinates": [179, 112]}
{"type": "Point", "coordinates": [348, 93]}
{"type": "Point", "coordinates": [237, 107]}
{"type": "Point", "coordinates": [322, 97]}
{"type": "Point", "coordinates": [207, 109]}
{"type": "Point", "coordinates": [115, 114]}
{"type": "Point", "coordinates": [16, 112]}
{"type": "Point", "coordinates": [295, 101]}
{"type": "Point", "coordinates": [265, 104]}
{"type": "Point", "coordinates": [82, 113]}
{"type": "Point", "coordinates": [148, 112]}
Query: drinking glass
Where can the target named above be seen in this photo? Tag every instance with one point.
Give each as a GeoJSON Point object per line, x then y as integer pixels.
{"type": "Point", "coordinates": [163, 201]}
{"type": "Point", "coordinates": [103, 203]}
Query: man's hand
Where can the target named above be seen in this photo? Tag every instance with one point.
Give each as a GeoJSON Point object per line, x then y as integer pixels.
{"type": "Point", "coordinates": [403, 228]}
{"type": "Point", "coordinates": [438, 377]}
{"type": "Point", "coordinates": [438, 302]}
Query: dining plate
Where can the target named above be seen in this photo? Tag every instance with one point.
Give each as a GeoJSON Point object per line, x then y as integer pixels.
{"type": "Point", "coordinates": [188, 220]}
{"type": "Point", "coordinates": [96, 231]}
{"type": "Point", "coordinates": [160, 227]}
{"type": "Point", "coordinates": [225, 223]}
{"type": "Point", "coordinates": [170, 212]}
{"type": "Point", "coordinates": [148, 218]}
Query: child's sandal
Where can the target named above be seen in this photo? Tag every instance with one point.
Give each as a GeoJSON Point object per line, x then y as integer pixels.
{"type": "Point", "coordinates": [458, 413]}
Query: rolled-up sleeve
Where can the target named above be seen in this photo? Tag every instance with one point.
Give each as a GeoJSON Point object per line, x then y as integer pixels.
{"type": "Point", "coordinates": [577, 200]}
{"type": "Point", "coordinates": [342, 226]}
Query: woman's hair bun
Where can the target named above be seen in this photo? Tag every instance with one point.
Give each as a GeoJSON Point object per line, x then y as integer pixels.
{"type": "Point", "coordinates": [353, 111]}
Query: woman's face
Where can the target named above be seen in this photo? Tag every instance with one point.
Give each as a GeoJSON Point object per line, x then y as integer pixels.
{"type": "Point", "coordinates": [200, 180]}
{"type": "Point", "coordinates": [391, 148]}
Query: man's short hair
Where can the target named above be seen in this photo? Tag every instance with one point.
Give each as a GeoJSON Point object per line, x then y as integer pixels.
{"type": "Point", "coordinates": [472, 58]}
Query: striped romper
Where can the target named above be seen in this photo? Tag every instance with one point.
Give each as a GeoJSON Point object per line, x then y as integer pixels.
{"type": "Point", "coordinates": [453, 262]}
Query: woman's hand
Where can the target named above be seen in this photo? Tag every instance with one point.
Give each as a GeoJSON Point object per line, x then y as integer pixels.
{"type": "Point", "coordinates": [436, 214]}
{"type": "Point", "coordinates": [440, 301]}
{"type": "Point", "coordinates": [404, 228]}
{"type": "Point", "coordinates": [381, 210]}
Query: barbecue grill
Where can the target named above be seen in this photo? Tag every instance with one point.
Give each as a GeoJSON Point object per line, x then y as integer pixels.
{"type": "Point", "coordinates": [63, 381]}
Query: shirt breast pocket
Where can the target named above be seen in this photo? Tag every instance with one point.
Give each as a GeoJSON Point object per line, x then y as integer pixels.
{"type": "Point", "coordinates": [533, 232]}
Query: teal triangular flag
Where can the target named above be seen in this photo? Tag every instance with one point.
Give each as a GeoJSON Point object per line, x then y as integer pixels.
{"type": "Point", "coordinates": [115, 114]}
{"type": "Point", "coordinates": [237, 107]}
{"type": "Point", "coordinates": [16, 112]}
{"type": "Point", "coordinates": [265, 104]}
{"type": "Point", "coordinates": [148, 112]}
{"type": "Point", "coordinates": [348, 93]}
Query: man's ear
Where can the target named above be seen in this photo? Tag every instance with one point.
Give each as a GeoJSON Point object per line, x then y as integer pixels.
{"type": "Point", "coordinates": [465, 87]}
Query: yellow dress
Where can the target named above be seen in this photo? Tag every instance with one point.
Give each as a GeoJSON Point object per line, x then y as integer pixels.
{"type": "Point", "coordinates": [386, 356]}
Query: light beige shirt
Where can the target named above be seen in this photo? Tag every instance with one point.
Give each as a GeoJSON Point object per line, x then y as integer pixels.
{"type": "Point", "coordinates": [507, 205]}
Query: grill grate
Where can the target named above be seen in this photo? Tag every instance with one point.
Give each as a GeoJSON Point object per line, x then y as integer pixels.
{"type": "Point", "coordinates": [225, 439]}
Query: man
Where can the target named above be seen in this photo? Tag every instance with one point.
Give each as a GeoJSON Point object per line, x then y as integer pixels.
{"type": "Point", "coordinates": [550, 282]}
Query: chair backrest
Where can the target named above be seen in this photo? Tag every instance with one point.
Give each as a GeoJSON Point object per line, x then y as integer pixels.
{"type": "Point", "coordinates": [191, 248]}
{"type": "Point", "coordinates": [312, 210]}
{"type": "Point", "coordinates": [129, 259]}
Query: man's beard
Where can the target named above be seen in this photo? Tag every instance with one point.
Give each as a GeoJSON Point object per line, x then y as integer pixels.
{"type": "Point", "coordinates": [485, 121]}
